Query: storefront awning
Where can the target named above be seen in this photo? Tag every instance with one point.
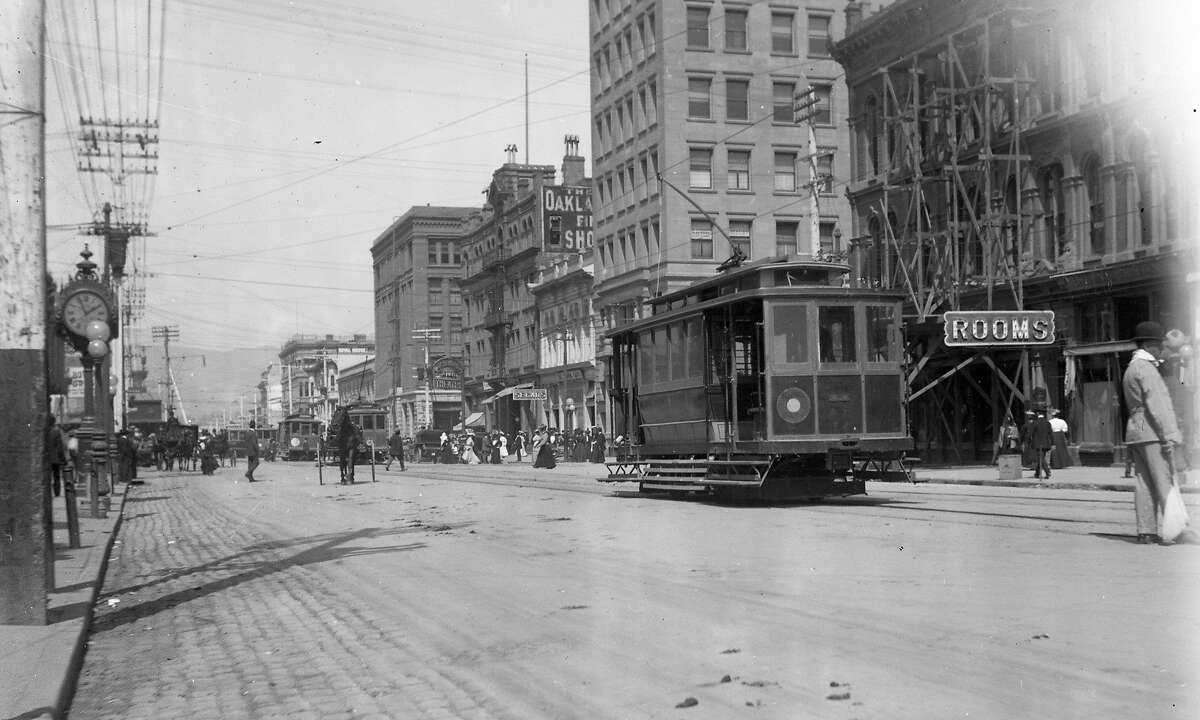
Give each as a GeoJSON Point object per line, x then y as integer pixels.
{"type": "Point", "coordinates": [475, 419]}
{"type": "Point", "coordinates": [1100, 348]}
{"type": "Point", "coordinates": [507, 391]}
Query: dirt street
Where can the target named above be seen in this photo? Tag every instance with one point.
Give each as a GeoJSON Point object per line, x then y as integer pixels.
{"type": "Point", "coordinates": [484, 592]}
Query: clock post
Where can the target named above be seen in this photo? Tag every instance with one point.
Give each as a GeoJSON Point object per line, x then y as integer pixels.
{"type": "Point", "coordinates": [87, 318]}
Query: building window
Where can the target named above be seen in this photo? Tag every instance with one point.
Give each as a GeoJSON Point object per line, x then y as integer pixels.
{"type": "Point", "coordinates": [702, 239]}
{"type": "Point", "coordinates": [433, 253]}
{"type": "Point", "coordinates": [828, 240]}
{"type": "Point", "coordinates": [782, 93]}
{"type": "Point", "coordinates": [818, 36]}
{"type": "Point", "coordinates": [699, 93]}
{"type": "Point", "coordinates": [737, 99]}
{"type": "Point", "coordinates": [785, 238]}
{"type": "Point", "coordinates": [785, 171]}
{"type": "Point", "coordinates": [782, 38]}
{"type": "Point", "coordinates": [697, 27]}
{"type": "Point", "coordinates": [1095, 200]}
{"type": "Point", "coordinates": [739, 169]}
{"type": "Point", "coordinates": [735, 30]}
{"type": "Point", "coordinates": [823, 110]}
{"type": "Point", "coordinates": [700, 168]}
{"type": "Point", "coordinates": [823, 181]}
{"type": "Point", "coordinates": [1053, 213]}
{"type": "Point", "coordinates": [739, 236]}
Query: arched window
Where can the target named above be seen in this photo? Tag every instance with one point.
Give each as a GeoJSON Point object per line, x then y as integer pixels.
{"type": "Point", "coordinates": [1013, 242]}
{"type": "Point", "coordinates": [872, 131]}
{"type": "Point", "coordinates": [1095, 203]}
{"type": "Point", "coordinates": [874, 265]}
{"type": "Point", "coordinates": [1144, 191]}
{"type": "Point", "coordinates": [1054, 221]}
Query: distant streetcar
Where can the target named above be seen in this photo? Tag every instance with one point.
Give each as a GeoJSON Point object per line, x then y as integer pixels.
{"type": "Point", "coordinates": [300, 437]}
{"type": "Point", "coordinates": [773, 380]}
{"type": "Point", "coordinates": [372, 420]}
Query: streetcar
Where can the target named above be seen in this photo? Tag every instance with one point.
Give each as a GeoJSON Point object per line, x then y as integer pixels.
{"type": "Point", "coordinates": [300, 437]}
{"type": "Point", "coordinates": [774, 380]}
{"type": "Point", "coordinates": [267, 442]}
{"type": "Point", "coordinates": [372, 419]}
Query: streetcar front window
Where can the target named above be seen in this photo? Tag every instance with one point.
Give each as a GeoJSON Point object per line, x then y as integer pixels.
{"type": "Point", "coordinates": [789, 337]}
{"type": "Point", "coordinates": [836, 335]}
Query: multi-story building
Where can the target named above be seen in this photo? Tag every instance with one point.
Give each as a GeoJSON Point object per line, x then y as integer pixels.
{"type": "Point", "coordinates": [567, 334]}
{"type": "Point", "coordinates": [419, 313]}
{"type": "Point", "coordinates": [268, 407]}
{"type": "Point", "coordinates": [504, 252]}
{"type": "Point", "coordinates": [1015, 156]}
{"type": "Point", "coordinates": [701, 94]}
{"type": "Point", "coordinates": [310, 366]}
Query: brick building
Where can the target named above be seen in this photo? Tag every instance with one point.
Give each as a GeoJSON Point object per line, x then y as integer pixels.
{"type": "Point", "coordinates": [702, 94]}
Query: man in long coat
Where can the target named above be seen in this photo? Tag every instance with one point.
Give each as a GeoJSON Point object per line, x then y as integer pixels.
{"type": "Point", "coordinates": [1151, 432]}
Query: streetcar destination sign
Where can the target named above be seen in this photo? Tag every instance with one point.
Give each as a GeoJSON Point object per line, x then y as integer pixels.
{"type": "Point", "coordinates": [529, 394]}
{"type": "Point", "coordinates": [998, 327]}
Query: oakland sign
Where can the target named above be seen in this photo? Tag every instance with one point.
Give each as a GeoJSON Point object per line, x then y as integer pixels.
{"type": "Point", "coordinates": [567, 217]}
{"type": "Point", "coordinates": [999, 327]}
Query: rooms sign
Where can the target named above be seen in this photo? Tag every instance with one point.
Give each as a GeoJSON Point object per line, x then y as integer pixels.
{"type": "Point", "coordinates": [988, 327]}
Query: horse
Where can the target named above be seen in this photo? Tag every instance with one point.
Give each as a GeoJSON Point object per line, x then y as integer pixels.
{"type": "Point", "coordinates": [346, 437]}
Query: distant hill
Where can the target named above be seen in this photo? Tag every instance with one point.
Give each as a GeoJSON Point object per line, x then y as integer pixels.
{"type": "Point", "coordinates": [210, 382]}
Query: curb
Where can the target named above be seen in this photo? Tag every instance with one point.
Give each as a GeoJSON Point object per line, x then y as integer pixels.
{"type": "Point", "coordinates": [1111, 487]}
{"type": "Point", "coordinates": [66, 691]}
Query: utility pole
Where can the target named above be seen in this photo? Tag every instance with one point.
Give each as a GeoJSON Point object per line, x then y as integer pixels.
{"type": "Point", "coordinates": [804, 110]}
{"type": "Point", "coordinates": [26, 539]}
{"type": "Point", "coordinates": [167, 333]}
{"type": "Point", "coordinates": [425, 336]}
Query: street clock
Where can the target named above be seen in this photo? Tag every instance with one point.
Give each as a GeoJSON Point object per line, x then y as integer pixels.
{"type": "Point", "coordinates": [81, 303]}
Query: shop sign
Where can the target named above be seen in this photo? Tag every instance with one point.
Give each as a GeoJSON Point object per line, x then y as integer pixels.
{"type": "Point", "coordinates": [985, 327]}
{"type": "Point", "coordinates": [529, 394]}
{"type": "Point", "coordinates": [446, 374]}
{"type": "Point", "coordinates": [567, 217]}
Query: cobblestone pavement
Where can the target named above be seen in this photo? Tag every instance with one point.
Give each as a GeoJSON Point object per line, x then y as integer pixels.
{"type": "Point", "coordinates": [242, 626]}
{"type": "Point", "coordinates": [478, 592]}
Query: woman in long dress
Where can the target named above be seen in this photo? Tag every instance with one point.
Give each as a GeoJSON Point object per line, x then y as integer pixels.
{"type": "Point", "coordinates": [543, 451]}
{"type": "Point", "coordinates": [1060, 457]}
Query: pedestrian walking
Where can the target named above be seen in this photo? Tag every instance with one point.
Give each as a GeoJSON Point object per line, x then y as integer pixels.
{"type": "Point", "coordinates": [519, 444]}
{"type": "Point", "coordinates": [494, 448]}
{"type": "Point", "coordinates": [1151, 430]}
{"type": "Point", "coordinates": [250, 444]}
{"type": "Point", "coordinates": [124, 465]}
{"type": "Point", "coordinates": [395, 450]}
{"type": "Point", "coordinates": [1027, 460]}
{"type": "Point", "coordinates": [55, 453]}
{"type": "Point", "coordinates": [543, 450]}
{"type": "Point", "coordinates": [1042, 440]}
{"type": "Point", "coordinates": [1060, 457]}
{"type": "Point", "coordinates": [598, 449]}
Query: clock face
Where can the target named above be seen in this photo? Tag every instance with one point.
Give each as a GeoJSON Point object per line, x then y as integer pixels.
{"type": "Point", "coordinates": [82, 308]}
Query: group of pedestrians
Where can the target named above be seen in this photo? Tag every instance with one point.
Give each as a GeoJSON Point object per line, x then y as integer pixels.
{"type": "Point", "coordinates": [1041, 441]}
{"type": "Point", "coordinates": [545, 447]}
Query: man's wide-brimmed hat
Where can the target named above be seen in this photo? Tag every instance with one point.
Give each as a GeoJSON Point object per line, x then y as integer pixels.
{"type": "Point", "coordinates": [1148, 330]}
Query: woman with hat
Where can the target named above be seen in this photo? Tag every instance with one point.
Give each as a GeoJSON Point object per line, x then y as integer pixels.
{"type": "Point", "coordinates": [1151, 432]}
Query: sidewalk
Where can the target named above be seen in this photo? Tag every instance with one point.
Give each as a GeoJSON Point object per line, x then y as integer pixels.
{"type": "Point", "coordinates": [39, 663]}
{"type": "Point", "coordinates": [1077, 477]}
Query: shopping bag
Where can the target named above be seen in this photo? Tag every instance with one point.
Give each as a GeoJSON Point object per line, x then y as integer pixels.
{"type": "Point", "coordinates": [1174, 515]}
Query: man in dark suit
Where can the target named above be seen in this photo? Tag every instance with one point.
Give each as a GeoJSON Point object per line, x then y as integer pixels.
{"type": "Point", "coordinates": [1042, 439]}
{"type": "Point", "coordinates": [250, 444]}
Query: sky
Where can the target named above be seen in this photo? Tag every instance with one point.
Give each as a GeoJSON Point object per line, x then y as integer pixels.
{"type": "Point", "coordinates": [291, 134]}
